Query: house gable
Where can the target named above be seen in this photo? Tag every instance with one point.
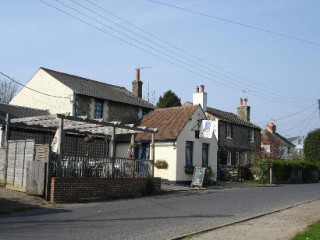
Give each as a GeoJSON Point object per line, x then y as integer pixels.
{"type": "Point", "coordinates": [46, 88]}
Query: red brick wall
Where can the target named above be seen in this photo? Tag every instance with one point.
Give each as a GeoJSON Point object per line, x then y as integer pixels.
{"type": "Point", "coordinates": [73, 189]}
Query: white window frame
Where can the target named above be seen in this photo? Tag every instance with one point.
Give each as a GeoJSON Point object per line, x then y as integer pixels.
{"type": "Point", "coordinates": [237, 158]}
{"type": "Point", "coordinates": [251, 135]}
{"type": "Point", "coordinates": [229, 159]}
{"type": "Point", "coordinates": [246, 158]}
{"type": "Point", "coordinates": [229, 129]}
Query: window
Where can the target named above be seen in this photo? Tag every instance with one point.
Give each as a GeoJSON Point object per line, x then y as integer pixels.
{"type": "Point", "coordinates": [245, 158]}
{"type": "Point", "coordinates": [98, 109]}
{"type": "Point", "coordinates": [299, 141]}
{"type": "Point", "coordinates": [251, 134]}
{"type": "Point", "coordinates": [75, 107]}
{"type": "Point", "coordinates": [237, 157]}
{"type": "Point", "coordinates": [229, 158]}
{"type": "Point", "coordinates": [205, 154]}
{"type": "Point", "coordinates": [189, 153]}
{"type": "Point", "coordinates": [229, 130]}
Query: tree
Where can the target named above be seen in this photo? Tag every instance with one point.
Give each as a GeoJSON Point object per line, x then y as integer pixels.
{"type": "Point", "coordinates": [312, 146]}
{"type": "Point", "coordinates": [8, 89]}
{"type": "Point", "coordinates": [169, 99]}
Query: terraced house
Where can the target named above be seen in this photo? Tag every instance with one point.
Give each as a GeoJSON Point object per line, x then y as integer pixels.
{"type": "Point", "coordinates": [239, 140]}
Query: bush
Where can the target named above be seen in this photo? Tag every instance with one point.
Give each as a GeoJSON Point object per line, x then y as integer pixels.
{"type": "Point", "coordinates": [149, 188]}
{"type": "Point", "coordinates": [283, 169]}
{"type": "Point", "coordinates": [312, 146]}
{"type": "Point", "coordinates": [188, 169]}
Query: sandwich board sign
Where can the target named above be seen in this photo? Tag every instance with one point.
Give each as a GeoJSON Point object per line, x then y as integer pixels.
{"type": "Point", "coordinates": [198, 176]}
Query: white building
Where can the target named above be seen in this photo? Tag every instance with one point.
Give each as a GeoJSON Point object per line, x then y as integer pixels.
{"type": "Point", "coordinates": [177, 143]}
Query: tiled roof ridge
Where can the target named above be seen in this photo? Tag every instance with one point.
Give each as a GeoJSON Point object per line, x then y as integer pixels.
{"type": "Point", "coordinates": [241, 121]}
{"type": "Point", "coordinates": [83, 78]}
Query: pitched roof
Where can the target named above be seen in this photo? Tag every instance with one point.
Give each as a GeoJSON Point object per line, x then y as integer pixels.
{"type": "Point", "coordinates": [230, 118]}
{"type": "Point", "coordinates": [97, 89]}
{"type": "Point", "coordinates": [269, 136]}
{"type": "Point", "coordinates": [19, 112]}
{"type": "Point", "coordinates": [169, 121]}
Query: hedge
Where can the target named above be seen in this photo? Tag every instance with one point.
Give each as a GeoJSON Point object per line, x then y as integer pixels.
{"type": "Point", "coordinates": [282, 169]}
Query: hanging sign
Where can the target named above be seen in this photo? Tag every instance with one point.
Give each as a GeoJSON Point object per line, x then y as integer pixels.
{"type": "Point", "coordinates": [55, 145]}
{"type": "Point", "coordinates": [206, 129]}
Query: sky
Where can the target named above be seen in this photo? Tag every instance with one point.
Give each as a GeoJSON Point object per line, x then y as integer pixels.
{"type": "Point", "coordinates": [227, 45]}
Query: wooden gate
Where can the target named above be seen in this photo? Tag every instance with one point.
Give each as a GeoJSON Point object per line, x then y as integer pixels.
{"type": "Point", "coordinates": [19, 158]}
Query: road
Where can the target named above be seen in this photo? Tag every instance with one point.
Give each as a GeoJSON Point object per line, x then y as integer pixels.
{"type": "Point", "coordinates": [159, 217]}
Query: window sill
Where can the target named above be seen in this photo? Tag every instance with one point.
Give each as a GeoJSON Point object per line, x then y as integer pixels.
{"type": "Point", "coordinates": [230, 138]}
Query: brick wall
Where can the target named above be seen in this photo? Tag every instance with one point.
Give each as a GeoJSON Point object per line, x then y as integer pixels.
{"type": "Point", "coordinates": [73, 189]}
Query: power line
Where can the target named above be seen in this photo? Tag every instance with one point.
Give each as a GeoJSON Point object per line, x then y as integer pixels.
{"type": "Point", "coordinates": [238, 23]}
{"type": "Point", "coordinates": [46, 94]}
{"type": "Point", "coordinates": [300, 122]}
{"type": "Point", "coordinates": [306, 125]}
{"type": "Point", "coordinates": [166, 49]}
{"type": "Point", "coordinates": [191, 55]}
{"type": "Point", "coordinates": [290, 115]}
{"type": "Point", "coordinates": [149, 52]}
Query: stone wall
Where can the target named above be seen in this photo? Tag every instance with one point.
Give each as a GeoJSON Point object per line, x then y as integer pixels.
{"type": "Point", "coordinates": [123, 112]}
{"type": "Point", "coordinates": [75, 189]}
{"type": "Point", "coordinates": [240, 142]}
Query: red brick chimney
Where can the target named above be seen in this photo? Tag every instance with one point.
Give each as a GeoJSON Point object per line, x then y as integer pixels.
{"type": "Point", "coordinates": [271, 127]}
{"type": "Point", "coordinates": [137, 85]}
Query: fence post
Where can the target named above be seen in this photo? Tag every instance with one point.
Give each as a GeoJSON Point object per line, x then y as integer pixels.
{"type": "Point", "coordinates": [152, 147]}
{"type": "Point", "coordinates": [113, 150]}
{"type": "Point", "coordinates": [7, 136]}
{"type": "Point", "coordinates": [271, 176]}
{"type": "Point", "coordinates": [48, 175]}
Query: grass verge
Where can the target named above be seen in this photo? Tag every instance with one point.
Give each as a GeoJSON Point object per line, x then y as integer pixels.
{"type": "Point", "coordinates": [312, 233]}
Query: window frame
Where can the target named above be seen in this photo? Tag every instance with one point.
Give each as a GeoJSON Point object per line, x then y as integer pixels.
{"type": "Point", "coordinates": [229, 131]}
{"type": "Point", "coordinates": [237, 158]}
{"type": "Point", "coordinates": [205, 152]}
{"type": "Point", "coordinates": [98, 109]}
{"type": "Point", "coordinates": [189, 147]}
{"type": "Point", "coordinates": [229, 158]}
{"type": "Point", "coordinates": [252, 135]}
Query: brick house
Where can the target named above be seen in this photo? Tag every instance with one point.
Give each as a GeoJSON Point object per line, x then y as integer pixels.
{"type": "Point", "coordinates": [274, 145]}
{"type": "Point", "coordinates": [239, 140]}
{"type": "Point", "coordinates": [176, 142]}
{"type": "Point", "coordinates": [65, 93]}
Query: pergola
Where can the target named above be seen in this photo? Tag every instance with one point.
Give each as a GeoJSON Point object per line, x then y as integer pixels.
{"type": "Point", "coordinates": [83, 125]}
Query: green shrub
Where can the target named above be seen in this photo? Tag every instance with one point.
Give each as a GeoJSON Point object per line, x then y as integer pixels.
{"type": "Point", "coordinates": [149, 188]}
{"type": "Point", "coordinates": [282, 170]}
{"type": "Point", "coordinates": [312, 146]}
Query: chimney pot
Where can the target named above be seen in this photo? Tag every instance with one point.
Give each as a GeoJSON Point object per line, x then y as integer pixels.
{"type": "Point", "coordinates": [197, 89]}
{"type": "Point", "coordinates": [202, 88]}
{"type": "Point", "coordinates": [137, 74]}
{"type": "Point", "coordinates": [241, 102]}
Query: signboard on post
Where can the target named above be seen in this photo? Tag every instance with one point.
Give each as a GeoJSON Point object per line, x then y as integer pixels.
{"type": "Point", "coordinates": [198, 176]}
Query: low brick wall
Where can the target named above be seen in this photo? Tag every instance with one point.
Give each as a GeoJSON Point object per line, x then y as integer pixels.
{"type": "Point", "coordinates": [74, 189]}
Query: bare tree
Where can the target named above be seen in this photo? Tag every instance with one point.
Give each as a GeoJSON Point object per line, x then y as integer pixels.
{"type": "Point", "coordinates": [8, 89]}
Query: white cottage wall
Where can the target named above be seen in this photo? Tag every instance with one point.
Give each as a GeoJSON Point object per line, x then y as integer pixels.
{"type": "Point", "coordinates": [187, 134]}
{"type": "Point", "coordinates": [45, 83]}
{"type": "Point", "coordinates": [166, 151]}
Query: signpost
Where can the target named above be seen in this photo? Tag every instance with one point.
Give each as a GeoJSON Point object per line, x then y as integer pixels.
{"type": "Point", "coordinates": [198, 176]}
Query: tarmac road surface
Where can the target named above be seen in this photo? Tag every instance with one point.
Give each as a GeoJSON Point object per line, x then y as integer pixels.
{"type": "Point", "coordinates": [158, 217]}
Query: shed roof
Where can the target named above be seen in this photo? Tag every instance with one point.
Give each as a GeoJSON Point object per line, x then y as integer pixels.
{"type": "Point", "coordinates": [97, 89]}
{"type": "Point", "coordinates": [18, 112]}
{"type": "Point", "coordinates": [169, 121]}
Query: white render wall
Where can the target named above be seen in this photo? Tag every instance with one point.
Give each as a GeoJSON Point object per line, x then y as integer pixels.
{"type": "Point", "coordinates": [45, 83]}
{"type": "Point", "coordinates": [166, 151]}
{"type": "Point", "coordinates": [187, 134]}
